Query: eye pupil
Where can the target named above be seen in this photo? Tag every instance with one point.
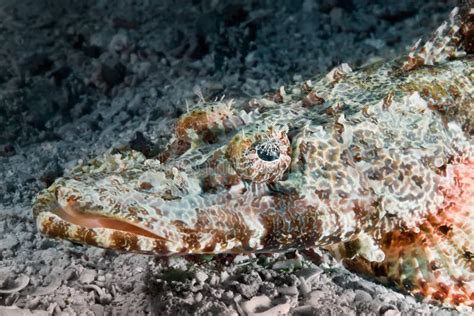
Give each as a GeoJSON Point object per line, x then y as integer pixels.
{"type": "Point", "coordinates": [268, 151]}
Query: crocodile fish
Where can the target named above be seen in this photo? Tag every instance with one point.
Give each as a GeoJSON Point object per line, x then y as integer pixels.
{"type": "Point", "coordinates": [375, 165]}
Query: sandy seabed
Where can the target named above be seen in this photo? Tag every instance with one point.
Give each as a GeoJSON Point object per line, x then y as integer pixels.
{"type": "Point", "coordinates": [78, 78]}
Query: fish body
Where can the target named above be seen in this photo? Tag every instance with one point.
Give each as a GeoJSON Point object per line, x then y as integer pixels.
{"type": "Point", "coordinates": [375, 165]}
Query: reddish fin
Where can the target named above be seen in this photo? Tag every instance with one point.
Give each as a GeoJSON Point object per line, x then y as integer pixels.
{"type": "Point", "coordinates": [435, 261]}
{"type": "Point", "coordinates": [452, 40]}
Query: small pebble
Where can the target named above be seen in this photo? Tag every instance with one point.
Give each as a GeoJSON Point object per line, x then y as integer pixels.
{"type": "Point", "coordinates": [391, 312]}
{"type": "Point", "coordinates": [198, 297]}
{"type": "Point", "coordinates": [8, 242]}
{"type": "Point", "coordinates": [97, 309]}
{"type": "Point", "coordinates": [315, 296]}
{"type": "Point", "coordinates": [362, 296]}
{"type": "Point", "coordinates": [118, 43]}
{"type": "Point", "coordinates": [387, 308]}
{"type": "Point", "coordinates": [201, 276]}
{"type": "Point", "coordinates": [267, 275]}
{"type": "Point", "coordinates": [228, 295]}
{"type": "Point", "coordinates": [289, 264]}
{"type": "Point", "coordinates": [224, 276]}
{"type": "Point", "coordinates": [309, 274]}
{"type": "Point", "coordinates": [214, 280]}
{"type": "Point", "coordinates": [288, 290]}
{"type": "Point", "coordinates": [247, 290]}
{"type": "Point", "coordinates": [241, 258]}
{"type": "Point", "coordinates": [305, 288]}
{"type": "Point", "coordinates": [268, 289]}
{"type": "Point", "coordinates": [442, 312]}
{"type": "Point", "coordinates": [258, 302]}
{"type": "Point", "coordinates": [87, 276]}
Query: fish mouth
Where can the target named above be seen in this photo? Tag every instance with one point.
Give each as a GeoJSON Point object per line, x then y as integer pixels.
{"type": "Point", "coordinates": [73, 222]}
{"type": "Point", "coordinates": [200, 232]}
{"type": "Point", "coordinates": [73, 215]}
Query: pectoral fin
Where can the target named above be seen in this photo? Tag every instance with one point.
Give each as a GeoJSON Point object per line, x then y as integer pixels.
{"type": "Point", "coordinates": [434, 261]}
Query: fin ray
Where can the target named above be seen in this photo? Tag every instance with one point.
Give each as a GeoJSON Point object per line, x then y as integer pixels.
{"type": "Point", "coordinates": [452, 40]}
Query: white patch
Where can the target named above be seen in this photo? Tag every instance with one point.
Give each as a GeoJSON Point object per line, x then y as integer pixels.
{"type": "Point", "coordinates": [145, 243]}
{"type": "Point", "coordinates": [412, 103]}
{"type": "Point", "coordinates": [257, 231]}
{"type": "Point", "coordinates": [459, 140]}
{"type": "Point", "coordinates": [369, 250]}
{"type": "Point", "coordinates": [247, 117]}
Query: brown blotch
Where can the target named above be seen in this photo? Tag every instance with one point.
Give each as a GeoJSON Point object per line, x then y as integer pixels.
{"type": "Point", "coordinates": [399, 239]}
{"type": "Point", "coordinates": [124, 240]}
{"type": "Point", "coordinates": [467, 32]}
{"type": "Point", "coordinates": [454, 92]}
{"type": "Point", "coordinates": [359, 266]}
{"type": "Point", "coordinates": [458, 299]}
{"type": "Point", "coordinates": [196, 121]}
{"type": "Point", "coordinates": [323, 194]}
{"type": "Point", "coordinates": [422, 285]}
{"type": "Point", "coordinates": [60, 230]}
{"type": "Point", "coordinates": [176, 148]}
{"type": "Point", "coordinates": [212, 183]}
{"type": "Point", "coordinates": [146, 186]}
{"type": "Point", "coordinates": [55, 229]}
{"type": "Point", "coordinates": [312, 99]}
{"type": "Point", "coordinates": [253, 105]}
{"type": "Point", "coordinates": [387, 101]}
{"type": "Point", "coordinates": [360, 211]}
{"type": "Point", "coordinates": [167, 195]}
{"type": "Point", "coordinates": [306, 88]}
{"type": "Point", "coordinates": [351, 248]}
{"type": "Point", "coordinates": [434, 266]}
{"type": "Point", "coordinates": [190, 236]}
{"type": "Point", "coordinates": [199, 121]}
{"type": "Point", "coordinates": [418, 180]}
{"type": "Point", "coordinates": [380, 270]}
{"type": "Point", "coordinates": [413, 63]}
{"type": "Point", "coordinates": [338, 75]}
{"type": "Point", "coordinates": [339, 129]}
{"type": "Point", "coordinates": [335, 109]}
{"type": "Point", "coordinates": [375, 174]}
{"type": "Point", "coordinates": [444, 229]}
{"type": "Point", "coordinates": [235, 228]}
{"type": "Point", "coordinates": [365, 112]}
{"type": "Point", "coordinates": [160, 247]}
{"type": "Point", "coordinates": [439, 295]}
{"type": "Point", "coordinates": [87, 236]}
{"type": "Point", "coordinates": [291, 223]}
{"type": "Point", "coordinates": [276, 97]}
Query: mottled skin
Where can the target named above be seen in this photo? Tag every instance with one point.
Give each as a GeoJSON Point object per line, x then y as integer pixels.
{"type": "Point", "coordinates": [375, 165]}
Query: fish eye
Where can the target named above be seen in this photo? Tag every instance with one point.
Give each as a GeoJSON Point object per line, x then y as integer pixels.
{"type": "Point", "coordinates": [260, 156]}
{"type": "Point", "coordinates": [268, 151]}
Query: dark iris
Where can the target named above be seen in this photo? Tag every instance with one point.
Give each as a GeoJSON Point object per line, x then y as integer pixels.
{"type": "Point", "coordinates": [268, 151]}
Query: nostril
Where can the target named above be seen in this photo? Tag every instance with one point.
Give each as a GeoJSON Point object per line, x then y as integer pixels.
{"type": "Point", "coordinates": [268, 151]}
